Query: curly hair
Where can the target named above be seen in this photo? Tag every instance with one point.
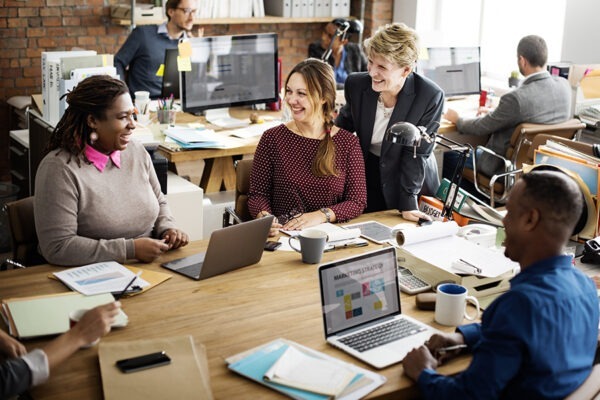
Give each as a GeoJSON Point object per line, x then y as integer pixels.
{"type": "Point", "coordinates": [92, 96]}
{"type": "Point", "coordinates": [320, 84]}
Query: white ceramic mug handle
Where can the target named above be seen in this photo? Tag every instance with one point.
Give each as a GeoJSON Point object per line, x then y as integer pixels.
{"type": "Point", "coordinates": [291, 245]}
{"type": "Point", "coordinates": [473, 301]}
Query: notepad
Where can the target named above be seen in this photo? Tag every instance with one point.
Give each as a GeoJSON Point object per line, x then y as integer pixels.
{"type": "Point", "coordinates": [29, 317]}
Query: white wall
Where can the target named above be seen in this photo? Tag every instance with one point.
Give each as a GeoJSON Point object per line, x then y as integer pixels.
{"type": "Point", "coordinates": [582, 36]}
{"type": "Point", "coordinates": [581, 33]}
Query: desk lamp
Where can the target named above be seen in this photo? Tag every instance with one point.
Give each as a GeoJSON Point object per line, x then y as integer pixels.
{"type": "Point", "coordinates": [344, 27]}
{"type": "Point", "coordinates": [407, 134]}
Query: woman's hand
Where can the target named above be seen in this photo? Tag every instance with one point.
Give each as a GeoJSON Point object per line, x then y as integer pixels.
{"type": "Point", "coordinates": [275, 226]}
{"type": "Point", "coordinates": [148, 249]}
{"type": "Point", "coordinates": [306, 220]}
{"type": "Point", "coordinates": [414, 215]}
{"type": "Point", "coordinates": [175, 238]}
{"type": "Point", "coordinates": [10, 346]}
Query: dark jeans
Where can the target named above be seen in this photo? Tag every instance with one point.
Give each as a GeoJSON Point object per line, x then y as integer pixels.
{"type": "Point", "coordinates": [375, 199]}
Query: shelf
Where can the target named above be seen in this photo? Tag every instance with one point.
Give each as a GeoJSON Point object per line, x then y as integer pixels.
{"type": "Point", "coordinates": [230, 21]}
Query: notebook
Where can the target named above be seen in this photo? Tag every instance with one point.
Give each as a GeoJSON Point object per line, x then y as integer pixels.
{"type": "Point", "coordinates": [360, 301]}
{"type": "Point", "coordinates": [229, 248]}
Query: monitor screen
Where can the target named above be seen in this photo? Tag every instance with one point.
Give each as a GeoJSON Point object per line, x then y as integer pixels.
{"type": "Point", "coordinates": [230, 71]}
{"type": "Point", "coordinates": [455, 69]}
{"type": "Point", "coordinates": [170, 83]}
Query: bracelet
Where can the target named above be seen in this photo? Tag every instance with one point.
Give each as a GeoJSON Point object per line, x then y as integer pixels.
{"type": "Point", "coordinates": [327, 214]}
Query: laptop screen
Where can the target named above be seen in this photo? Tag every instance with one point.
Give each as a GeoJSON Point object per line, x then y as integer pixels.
{"type": "Point", "coordinates": [358, 290]}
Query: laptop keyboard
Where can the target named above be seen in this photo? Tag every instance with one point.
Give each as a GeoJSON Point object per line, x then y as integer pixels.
{"type": "Point", "coordinates": [382, 334]}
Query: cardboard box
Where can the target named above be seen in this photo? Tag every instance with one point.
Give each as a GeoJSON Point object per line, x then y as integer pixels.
{"type": "Point", "coordinates": [142, 12]}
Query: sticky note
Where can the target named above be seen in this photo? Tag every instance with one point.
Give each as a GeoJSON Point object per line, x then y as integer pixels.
{"type": "Point", "coordinates": [184, 63]}
{"type": "Point", "coordinates": [161, 70]}
{"type": "Point", "coordinates": [185, 49]}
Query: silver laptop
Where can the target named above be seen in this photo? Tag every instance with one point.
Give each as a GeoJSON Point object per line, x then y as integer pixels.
{"type": "Point", "coordinates": [229, 248]}
{"type": "Point", "coordinates": [360, 301]}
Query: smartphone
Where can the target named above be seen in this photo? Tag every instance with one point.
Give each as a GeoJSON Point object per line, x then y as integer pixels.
{"type": "Point", "coordinates": [271, 245]}
{"type": "Point", "coordinates": [143, 362]}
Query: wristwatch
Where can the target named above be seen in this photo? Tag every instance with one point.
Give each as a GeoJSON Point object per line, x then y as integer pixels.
{"type": "Point", "coordinates": [327, 214]}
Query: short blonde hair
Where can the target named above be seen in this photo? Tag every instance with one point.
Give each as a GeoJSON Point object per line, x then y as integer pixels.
{"type": "Point", "coordinates": [395, 42]}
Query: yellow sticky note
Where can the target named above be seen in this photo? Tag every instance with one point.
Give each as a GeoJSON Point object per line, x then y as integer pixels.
{"type": "Point", "coordinates": [161, 70]}
{"type": "Point", "coordinates": [185, 49]}
{"type": "Point", "coordinates": [184, 64]}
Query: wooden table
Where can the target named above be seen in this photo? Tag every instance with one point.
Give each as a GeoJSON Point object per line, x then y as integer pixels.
{"type": "Point", "coordinates": [276, 298]}
{"type": "Point", "coordinates": [212, 169]}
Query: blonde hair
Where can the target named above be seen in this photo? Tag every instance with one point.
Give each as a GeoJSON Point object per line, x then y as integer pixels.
{"type": "Point", "coordinates": [320, 85]}
{"type": "Point", "coordinates": [395, 42]}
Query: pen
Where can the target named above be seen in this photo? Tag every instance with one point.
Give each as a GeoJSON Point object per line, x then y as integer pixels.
{"type": "Point", "coordinates": [118, 296]}
{"type": "Point", "coordinates": [347, 245]}
{"type": "Point", "coordinates": [468, 264]}
{"type": "Point", "coordinates": [444, 350]}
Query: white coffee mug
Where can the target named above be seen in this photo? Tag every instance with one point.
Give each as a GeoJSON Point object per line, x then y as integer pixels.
{"type": "Point", "coordinates": [451, 305]}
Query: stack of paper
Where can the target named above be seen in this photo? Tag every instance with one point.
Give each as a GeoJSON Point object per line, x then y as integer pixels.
{"type": "Point", "coordinates": [28, 317]}
{"type": "Point", "coordinates": [303, 373]}
{"type": "Point", "coordinates": [104, 277]}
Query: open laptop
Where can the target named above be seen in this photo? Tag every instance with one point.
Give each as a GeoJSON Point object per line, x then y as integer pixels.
{"type": "Point", "coordinates": [360, 299]}
{"type": "Point", "coordinates": [229, 248]}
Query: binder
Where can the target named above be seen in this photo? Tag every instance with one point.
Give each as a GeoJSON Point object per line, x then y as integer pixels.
{"type": "Point", "coordinates": [278, 8]}
{"type": "Point", "coordinates": [322, 8]}
{"type": "Point", "coordinates": [297, 8]}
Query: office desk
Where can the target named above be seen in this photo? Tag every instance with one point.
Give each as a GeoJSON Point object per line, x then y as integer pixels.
{"type": "Point", "coordinates": [212, 169]}
{"type": "Point", "coordinates": [230, 313]}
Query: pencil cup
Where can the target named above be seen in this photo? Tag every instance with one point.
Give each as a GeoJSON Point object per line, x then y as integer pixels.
{"type": "Point", "coordinates": [74, 317]}
{"type": "Point", "coordinates": [312, 244]}
{"type": "Point", "coordinates": [142, 104]}
{"type": "Point", "coordinates": [451, 305]}
{"type": "Point", "coordinates": [166, 116]}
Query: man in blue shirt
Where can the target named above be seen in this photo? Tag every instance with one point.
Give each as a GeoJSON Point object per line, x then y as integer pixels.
{"type": "Point", "coordinates": [142, 54]}
{"type": "Point", "coordinates": [538, 339]}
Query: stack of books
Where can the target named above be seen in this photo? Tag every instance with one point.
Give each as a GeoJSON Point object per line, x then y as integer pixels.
{"type": "Point", "coordinates": [303, 373]}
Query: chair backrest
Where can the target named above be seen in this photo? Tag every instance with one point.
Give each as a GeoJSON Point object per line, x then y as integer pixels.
{"type": "Point", "coordinates": [590, 388]}
{"type": "Point", "coordinates": [522, 137]}
{"type": "Point", "coordinates": [23, 235]}
{"type": "Point", "coordinates": [242, 187]}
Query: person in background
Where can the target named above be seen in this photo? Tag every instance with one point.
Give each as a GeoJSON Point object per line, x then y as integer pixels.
{"type": "Point", "coordinates": [143, 53]}
{"type": "Point", "coordinates": [391, 92]}
{"type": "Point", "coordinates": [541, 99]}
{"type": "Point", "coordinates": [536, 341]}
{"type": "Point", "coordinates": [97, 197]}
{"type": "Point", "coordinates": [307, 171]}
{"type": "Point", "coordinates": [335, 48]}
{"type": "Point", "coordinates": [21, 370]}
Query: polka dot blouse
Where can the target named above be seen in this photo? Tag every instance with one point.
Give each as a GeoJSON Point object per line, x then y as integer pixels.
{"type": "Point", "coordinates": [281, 181]}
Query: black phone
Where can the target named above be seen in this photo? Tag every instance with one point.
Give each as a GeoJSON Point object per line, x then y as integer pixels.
{"type": "Point", "coordinates": [143, 362]}
{"type": "Point", "coordinates": [271, 245]}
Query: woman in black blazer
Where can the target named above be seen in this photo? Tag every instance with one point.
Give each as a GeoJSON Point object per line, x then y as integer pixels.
{"type": "Point", "coordinates": [391, 92]}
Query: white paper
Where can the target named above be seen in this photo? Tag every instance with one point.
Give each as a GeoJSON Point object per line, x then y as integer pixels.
{"type": "Point", "coordinates": [104, 277]}
{"type": "Point", "coordinates": [189, 135]}
{"type": "Point", "coordinates": [334, 233]}
{"type": "Point", "coordinates": [297, 369]}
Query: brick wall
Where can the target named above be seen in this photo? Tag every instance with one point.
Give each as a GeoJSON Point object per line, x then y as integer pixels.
{"type": "Point", "coordinates": [28, 27]}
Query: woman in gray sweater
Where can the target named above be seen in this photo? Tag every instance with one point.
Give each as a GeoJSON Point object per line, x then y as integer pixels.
{"type": "Point", "coordinates": [97, 195]}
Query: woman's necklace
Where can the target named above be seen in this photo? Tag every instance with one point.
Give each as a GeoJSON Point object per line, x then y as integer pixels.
{"type": "Point", "coordinates": [306, 136]}
{"type": "Point", "coordinates": [387, 112]}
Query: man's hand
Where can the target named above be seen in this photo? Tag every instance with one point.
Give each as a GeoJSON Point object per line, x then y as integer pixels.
{"type": "Point", "coordinates": [10, 346]}
{"type": "Point", "coordinates": [414, 215]}
{"type": "Point", "coordinates": [417, 360]}
{"type": "Point", "coordinates": [439, 341]}
{"type": "Point", "coordinates": [451, 115]}
{"type": "Point", "coordinates": [95, 323]}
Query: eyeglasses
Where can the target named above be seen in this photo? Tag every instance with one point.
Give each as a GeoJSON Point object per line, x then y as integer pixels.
{"type": "Point", "coordinates": [187, 11]}
{"type": "Point", "coordinates": [285, 218]}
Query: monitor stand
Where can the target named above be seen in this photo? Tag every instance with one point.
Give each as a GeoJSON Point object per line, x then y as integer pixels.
{"type": "Point", "coordinates": [221, 118]}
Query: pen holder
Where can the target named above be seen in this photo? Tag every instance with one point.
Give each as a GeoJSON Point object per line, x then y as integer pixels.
{"type": "Point", "coordinates": [166, 116]}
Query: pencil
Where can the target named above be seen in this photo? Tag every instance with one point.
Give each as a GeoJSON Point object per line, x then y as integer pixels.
{"type": "Point", "coordinates": [444, 350]}
{"type": "Point", "coordinates": [118, 296]}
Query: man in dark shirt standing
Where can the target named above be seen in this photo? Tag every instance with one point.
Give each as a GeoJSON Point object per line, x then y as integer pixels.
{"type": "Point", "coordinates": [142, 54]}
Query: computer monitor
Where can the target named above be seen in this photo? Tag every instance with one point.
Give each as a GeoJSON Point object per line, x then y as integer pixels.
{"type": "Point", "coordinates": [456, 70]}
{"type": "Point", "coordinates": [230, 71]}
{"type": "Point", "coordinates": [170, 83]}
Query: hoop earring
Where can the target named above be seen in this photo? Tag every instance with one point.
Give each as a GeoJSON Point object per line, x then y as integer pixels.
{"type": "Point", "coordinates": [93, 137]}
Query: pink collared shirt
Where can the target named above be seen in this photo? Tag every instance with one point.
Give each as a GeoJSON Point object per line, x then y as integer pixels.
{"type": "Point", "coordinates": [100, 159]}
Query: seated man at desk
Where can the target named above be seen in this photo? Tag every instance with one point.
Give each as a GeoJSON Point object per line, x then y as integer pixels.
{"type": "Point", "coordinates": [22, 370]}
{"type": "Point", "coordinates": [541, 99]}
{"type": "Point", "coordinates": [334, 48]}
{"type": "Point", "coordinates": [538, 339]}
{"type": "Point", "coordinates": [142, 54]}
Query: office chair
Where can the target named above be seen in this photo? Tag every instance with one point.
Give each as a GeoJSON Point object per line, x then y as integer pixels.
{"type": "Point", "coordinates": [23, 235]}
{"type": "Point", "coordinates": [497, 187]}
{"type": "Point", "coordinates": [590, 388]}
{"type": "Point", "coordinates": [239, 213]}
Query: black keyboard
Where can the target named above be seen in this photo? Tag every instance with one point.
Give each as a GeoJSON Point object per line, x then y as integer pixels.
{"type": "Point", "coordinates": [382, 334]}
